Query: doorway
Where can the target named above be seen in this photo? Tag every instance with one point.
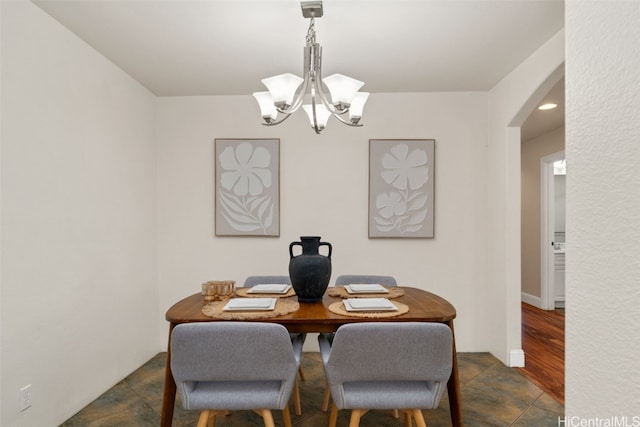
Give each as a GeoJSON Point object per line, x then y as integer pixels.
{"type": "Point", "coordinates": [542, 144]}
{"type": "Point", "coordinates": [542, 227]}
{"type": "Point", "coordinates": [552, 230]}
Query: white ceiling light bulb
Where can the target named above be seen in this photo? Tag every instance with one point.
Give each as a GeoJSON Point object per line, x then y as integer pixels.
{"type": "Point", "coordinates": [357, 105]}
{"type": "Point", "coordinates": [267, 106]}
{"type": "Point", "coordinates": [321, 115]}
{"type": "Point", "coordinates": [547, 106]}
{"type": "Point", "coordinates": [282, 88]}
{"type": "Point", "coordinates": [342, 89]}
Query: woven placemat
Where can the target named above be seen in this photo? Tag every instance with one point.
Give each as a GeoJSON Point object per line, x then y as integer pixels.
{"type": "Point", "coordinates": [283, 306]}
{"type": "Point", "coordinates": [341, 292]}
{"type": "Point", "coordinates": [244, 292]}
{"type": "Point", "coordinates": [338, 308]}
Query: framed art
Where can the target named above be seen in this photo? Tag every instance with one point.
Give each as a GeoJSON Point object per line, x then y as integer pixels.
{"type": "Point", "coordinates": [401, 188]}
{"type": "Point", "coordinates": [247, 186]}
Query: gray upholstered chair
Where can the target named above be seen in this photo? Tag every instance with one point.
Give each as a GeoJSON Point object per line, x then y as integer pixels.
{"type": "Point", "coordinates": [264, 280]}
{"type": "Point", "coordinates": [225, 366]}
{"type": "Point", "coordinates": [348, 279]}
{"type": "Point", "coordinates": [387, 365]}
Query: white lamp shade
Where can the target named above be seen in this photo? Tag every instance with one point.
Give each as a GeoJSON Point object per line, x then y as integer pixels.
{"type": "Point", "coordinates": [357, 105]}
{"type": "Point", "coordinates": [283, 87]}
{"type": "Point", "coordinates": [322, 114]}
{"type": "Point", "coordinates": [267, 107]}
{"type": "Point", "coordinates": [342, 88]}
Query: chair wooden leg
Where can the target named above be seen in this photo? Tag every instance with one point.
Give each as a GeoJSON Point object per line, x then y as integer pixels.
{"type": "Point", "coordinates": [300, 373]}
{"type": "Point", "coordinates": [333, 418]}
{"type": "Point", "coordinates": [296, 398]}
{"type": "Point", "coordinates": [355, 417]}
{"type": "Point", "coordinates": [267, 417]}
{"type": "Point", "coordinates": [407, 419]}
{"type": "Point", "coordinates": [204, 418]}
{"type": "Point", "coordinates": [395, 414]}
{"type": "Point", "coordinates": [286, 415]}
{"type": "Point", "coordinates": [420, 422]}
{"type": "Point", "coordinates": [209, 420]}
{"type": "Point", "coordinates": [325, 398]}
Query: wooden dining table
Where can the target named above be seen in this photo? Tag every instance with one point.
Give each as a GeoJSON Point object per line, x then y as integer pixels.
{"type": "Point", "coordinates": [316, 317]}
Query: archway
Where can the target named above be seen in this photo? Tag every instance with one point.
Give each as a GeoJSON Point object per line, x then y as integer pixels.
{"type": "Point", "coordinates": [510, 103]}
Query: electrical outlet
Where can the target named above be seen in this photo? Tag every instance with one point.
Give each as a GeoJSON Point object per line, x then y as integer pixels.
{"type": "Point", "coordinates": [25, 397]}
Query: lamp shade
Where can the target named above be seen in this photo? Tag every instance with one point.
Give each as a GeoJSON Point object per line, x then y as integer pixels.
{"type": "Point", "coordinates": [322, 115]}
{"type": "Point", "coordinates": [267, 107]}
{"type": "Point", "coordinates": [342, 88]}
{"type": "Point", "coordinates": [282, 88]}
{"type": "Point", "coordinates": [357, 105]}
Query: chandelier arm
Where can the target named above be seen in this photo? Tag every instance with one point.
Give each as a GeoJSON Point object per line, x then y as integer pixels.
{"type": "Point", "coordinates": [277, 122]}
{"type": "Point", "coordinates": [313, 110]}
{"type": "Point", "coordinates": [333, 110]}
{"type": "Point", "coordinates": [297, 102]}
{"type": "Point", "coordinates": [318, 65]}
{"type": "Point", "coordinates": [300, 97]}
{"type": "Point", "coordinates": [323, 98]}
{"type": "Point", "coordinates": [346, 122]}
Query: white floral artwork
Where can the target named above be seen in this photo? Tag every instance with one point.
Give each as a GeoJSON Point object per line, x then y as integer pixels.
{"type": "Point", "coordinates": [247, 187]}
{"type": "Point", "coordinates": [401, 188]}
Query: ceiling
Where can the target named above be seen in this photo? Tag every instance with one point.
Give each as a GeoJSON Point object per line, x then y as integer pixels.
{"type": "Point", "coordinates": [224, 47]}
{"type": "Point", "coordinates": [540, 122]}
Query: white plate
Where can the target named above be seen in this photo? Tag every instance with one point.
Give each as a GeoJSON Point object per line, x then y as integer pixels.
{"type": "Point", "coordinates": [366, 288]}
{"type": "Point", "coordinates": [246, 304]}
{"type": "Point", "coordinates": [369, 304]}
{"type": "Point", "coordinates": [271, 288]}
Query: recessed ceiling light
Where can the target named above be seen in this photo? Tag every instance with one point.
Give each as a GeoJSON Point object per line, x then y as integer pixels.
{"type": "Point", "coordinates": [548, 106]}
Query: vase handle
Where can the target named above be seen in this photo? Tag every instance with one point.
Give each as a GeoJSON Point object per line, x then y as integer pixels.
{"type": "Point", "coordinates": [291, 245]}
{"type": "Point", "coordinates": [330, 247]}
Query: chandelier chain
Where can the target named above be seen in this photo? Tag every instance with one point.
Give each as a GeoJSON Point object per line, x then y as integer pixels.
{"type": "Point", "coordinates": [311, 33]}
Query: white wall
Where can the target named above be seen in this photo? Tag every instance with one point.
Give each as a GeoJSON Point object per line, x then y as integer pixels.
{"type": "Point", "coordinates": [510, 102]}
{"type": "Point", "coordinates": [79, 296]}
{"type": "Point", "coordinates": [324, 191]}
{"type": "Point", "coordinates": [603, 154]}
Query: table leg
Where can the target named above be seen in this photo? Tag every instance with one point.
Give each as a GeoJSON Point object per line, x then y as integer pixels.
{"type": "Point", "coordinates": [169, 395]}
{"type": "Point", "coordinates": [453, 387]}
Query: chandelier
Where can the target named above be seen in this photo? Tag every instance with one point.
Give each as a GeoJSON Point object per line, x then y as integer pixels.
{"type": "Point", "coordinates": [283, 96]}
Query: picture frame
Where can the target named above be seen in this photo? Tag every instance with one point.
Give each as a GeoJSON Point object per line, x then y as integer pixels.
{"type": "Point", "coordinates": [401, 188]}
{"type": "Point", "coordinates": [247, 187]}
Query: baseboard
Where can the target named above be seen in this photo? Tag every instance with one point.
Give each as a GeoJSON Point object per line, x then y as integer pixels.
{"type": "Point", "coordinates": [516, 358]}
{"type": "Point", "coordinates": [531, 299]}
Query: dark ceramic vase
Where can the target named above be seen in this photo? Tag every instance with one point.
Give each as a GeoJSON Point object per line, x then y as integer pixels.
{"type": "Point", "coordinates": [310, 271]}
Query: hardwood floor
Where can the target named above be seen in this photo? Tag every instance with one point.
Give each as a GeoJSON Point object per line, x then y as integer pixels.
{"type": "Point", "coordinates": [543, 345]}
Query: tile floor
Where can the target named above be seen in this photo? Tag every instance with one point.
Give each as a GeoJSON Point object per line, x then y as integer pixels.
{"type": "Point", "coordinates": [492, 395]}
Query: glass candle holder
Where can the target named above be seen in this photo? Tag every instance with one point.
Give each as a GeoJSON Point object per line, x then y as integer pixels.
{"type": "Point", "coordinates": [217, 290]}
